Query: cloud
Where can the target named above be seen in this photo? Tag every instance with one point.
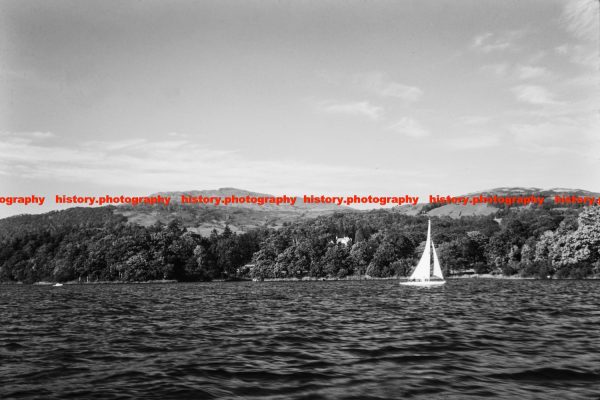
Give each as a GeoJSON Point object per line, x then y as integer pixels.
{"type": "Point", "coordinates": [471, 142]}
{"type": "Point", "coordinates": [585, 56]}
{"type": "Point", "coordinates": [562, 49]}
{"type": "Point", "coordinates": [560, 135]}
{"type": "Point", "coordinates": [361, 108]}
{"type": "Point", "coordinates": [378, 83]}
{"type": "Point", "coordinates": [533, 138]}
{"type": "Point", "coordinates": [474, 119]}
{"type": "Point", "coordinates": [531, 72]}
{"type": "Point", "coordinates": [580, 18]}
{"type": "Point", "coordinates": [534, 95]}
{"type": "Point", "coordinates": [154, 165]}
{"type": "Point", "coordinates": [29, 135]}
{"type": "Point", "coordinates": [500, 69]}
{"type": "Point", "coordinates": [490, 42]}
{"type": "Point", "coordinates": [177, 134]}
{"type": "Point", "coordinates": [536, 57]}
{"type": "Point", "coordinates": [539, 138]}
{"type": "Point", "coordinates": [523, 72]}
{"type": "Point", "coordinates": [410, 127]}
{"type": "Point", "coordinates": [586, 81]}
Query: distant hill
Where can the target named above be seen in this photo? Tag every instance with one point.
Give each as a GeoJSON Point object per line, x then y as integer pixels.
{"type": "Point", "coordinates": [458, 211]}
{"type": "Point", "coordinates": [224, 192]}
{"type": "Point", "coordinates": [73, 217]}
{"type": "Point", "coordinates": [203, 218]}
{"type": "Point", "coordinates": [527, 191]}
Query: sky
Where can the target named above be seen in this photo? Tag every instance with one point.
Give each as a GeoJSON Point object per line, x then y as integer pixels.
{"type": "Point", "coordinates": [297, 97]}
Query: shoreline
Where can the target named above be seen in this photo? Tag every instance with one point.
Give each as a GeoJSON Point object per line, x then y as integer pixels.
{"type": "Point", "coordinates": [305, 279]}
{"type": "Point", "coordinates": [74, 283]}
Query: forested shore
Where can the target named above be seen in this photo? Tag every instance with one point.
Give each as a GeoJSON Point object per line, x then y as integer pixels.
{"type": "Point", "coordinates": [97, 245]}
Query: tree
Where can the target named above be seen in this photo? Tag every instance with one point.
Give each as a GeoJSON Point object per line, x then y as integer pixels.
{"type": "Point", "coordinates": [582, 245]}
{"type": "Point", "coordinates": [335, 261]}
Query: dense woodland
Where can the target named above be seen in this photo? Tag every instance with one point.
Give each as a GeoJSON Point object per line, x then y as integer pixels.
{"type": "Point", "coordinates": [89, 245]}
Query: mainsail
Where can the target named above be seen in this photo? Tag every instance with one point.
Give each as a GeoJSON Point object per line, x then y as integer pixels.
{"type": "Point", "coordinates": [422, 272]}
{"type": "Point", "coordinates": [422, 275]}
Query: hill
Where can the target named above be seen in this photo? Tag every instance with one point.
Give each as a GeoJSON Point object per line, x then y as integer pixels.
{"type": "Point", "coordinates": [198, 218]}
{"type": "Point", "coordinates": [457, 211]}
{"type": "Point", "coordinates": [77, 217]}
{"type": "Point", "coordinates": [98, 244]}
{"type": "Point", "coordinates": [299, 205]}
{"type": "Point", "coordinates": [203, 218]}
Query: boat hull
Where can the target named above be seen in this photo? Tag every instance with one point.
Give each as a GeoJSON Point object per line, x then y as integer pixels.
{"type": "Point", "coordinates": [423, 283]}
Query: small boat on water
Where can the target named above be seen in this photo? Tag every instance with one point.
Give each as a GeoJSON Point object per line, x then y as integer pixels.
{"type": "Point", "coordinates": [57, 284]}
{"type": "Point", "coordinates": [423, 275]}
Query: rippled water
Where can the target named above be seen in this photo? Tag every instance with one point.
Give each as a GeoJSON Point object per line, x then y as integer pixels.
{"type": "Point", "coordinates": [345, 339]}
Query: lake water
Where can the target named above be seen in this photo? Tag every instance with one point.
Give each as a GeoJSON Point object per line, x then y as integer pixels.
{"type": "Point", "coordinates": [302, 340]}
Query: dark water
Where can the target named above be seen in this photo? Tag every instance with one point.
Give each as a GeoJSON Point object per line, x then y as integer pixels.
{"type": "Point", "coordinates": [292, 340]}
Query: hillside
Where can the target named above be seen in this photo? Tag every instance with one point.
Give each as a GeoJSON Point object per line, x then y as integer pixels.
{"type": "Point", "coordinates": [202, 219]}
{"type": "Point", "coordinates": [20, 225]}
{"type": "Point", "coordinates": [457, 211]}
{"type": "Point", "coordinates": [87, 245]}
{"type": "Point", "coordinates": [299, 206]}
{"type": "Point", "coordinates": [95, 244]}
{"type": "Point", "coordinates": [526, 191]}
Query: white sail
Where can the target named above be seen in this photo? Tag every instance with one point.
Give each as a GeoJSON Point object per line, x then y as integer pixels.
{"type": "Point", "coordinates": [422, 271]}
{"type": "Point", "coordinates": [437, 269]}
{"type": "Point", "coordinates": [422, 275]}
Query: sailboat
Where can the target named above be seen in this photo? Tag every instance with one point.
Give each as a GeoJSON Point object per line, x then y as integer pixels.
{"type": "Point", "coordinates": [422, 275]}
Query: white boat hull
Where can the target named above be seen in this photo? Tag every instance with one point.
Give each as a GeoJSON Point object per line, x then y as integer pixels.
{"type": "Point", "coordinates": [423, 283]}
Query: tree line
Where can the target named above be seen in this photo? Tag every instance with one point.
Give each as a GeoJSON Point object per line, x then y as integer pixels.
{"type": "Point", "coordinates": [102, 246]}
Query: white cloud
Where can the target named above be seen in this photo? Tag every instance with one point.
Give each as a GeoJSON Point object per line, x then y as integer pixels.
{"type": "Point", "coordinates": [538, 138]}
{"type": "Point", "coordinates": [486, 43]}
{"type": "Point", "coordinates": [177, 134]}
{"type": "Point", "coordinates": [480, 39]}
{"type": "Point", "coordinates": [361, 108]}
{"type": "Point", "coordinates": [474, 119]}
{"type": "Point", "coordinates": [471, 142]}
{"type": "Point", "coordinates": [531, 72]}
{"type": "Point", "coordinates": [536, 57]}
{"type": "Point", "coordinates": [559, 135]}
{"type": "Point", "coordinates": [379, 83]}
{"type": "Point", "coordinates": [523, 72]}
{"type": "Point", "coordinates": [586, 81]}
{"type": "Point", "coordinates": [409, 93]}
{"type": "Point", "coordinates": [562, 49]}
{"type": "Point", "coordinates": [29, 135]}
{"type": "Point", "coordinates": [42, 135]}
{"type": "Point", "coordinates": [489, 42]}
{"type": "Point", "coordinates": [500, 69]}
{"type": "Point", "coordinates": [142, 164]}
{"type": "Point", "coordinates": [534, 95]}
{"type": "Point", "coordinates": [583, 55]}
{"type": "Point", "coordinates": [410, 127]}
{"type": "Point", "coordinates": [580, 18]}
